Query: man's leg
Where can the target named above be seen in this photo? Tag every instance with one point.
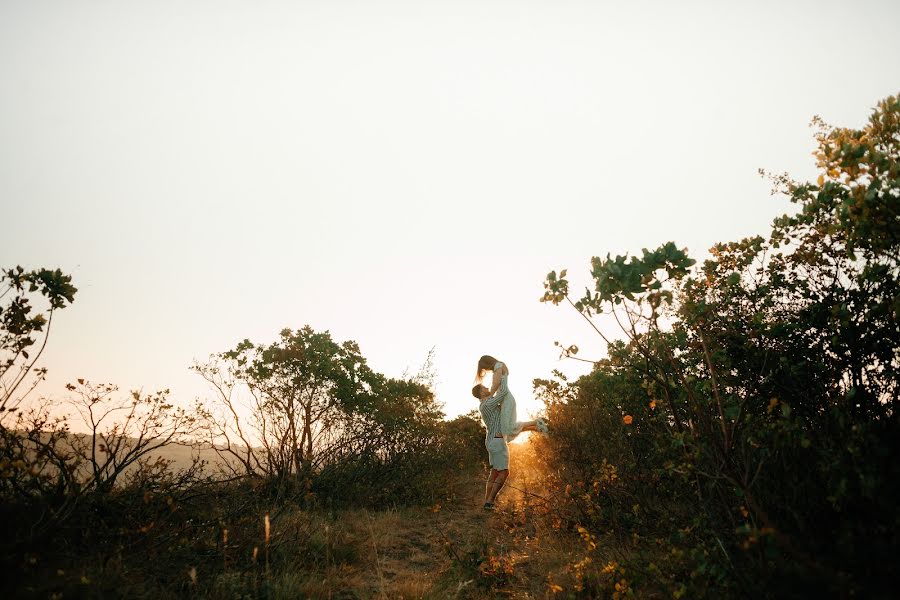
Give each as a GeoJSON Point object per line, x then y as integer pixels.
{"type": "Point", "coordinates": [489, 485]}
{"type": "Point", "coordinates": [498, 485]}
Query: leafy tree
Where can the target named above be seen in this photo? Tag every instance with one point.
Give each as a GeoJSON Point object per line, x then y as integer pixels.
{"type": "Point", "coordinates": [308, 408]}
{"type": "Point", "coordinates": [300, 387]}
{"type": "Point", "coordinates": [21, 328]}
{"type": "Point", "coordinates": [763, 385]}
{"type": "Point", "coordinates": [35, 461]}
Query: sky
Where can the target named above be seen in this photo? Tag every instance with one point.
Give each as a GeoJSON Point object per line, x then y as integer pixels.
{"type": "Point", "coordinates": [400, 173]}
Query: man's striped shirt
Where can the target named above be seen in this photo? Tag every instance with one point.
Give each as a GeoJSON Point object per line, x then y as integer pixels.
{"type": "Point", "coordinates": [490, 409]}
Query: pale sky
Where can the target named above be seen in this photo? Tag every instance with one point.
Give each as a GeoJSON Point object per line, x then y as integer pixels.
{"type": "Point", "coordinates": [402, 174]}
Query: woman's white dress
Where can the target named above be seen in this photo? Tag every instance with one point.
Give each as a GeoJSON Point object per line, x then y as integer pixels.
{"type": "Point", "coordinates": [509, 427]}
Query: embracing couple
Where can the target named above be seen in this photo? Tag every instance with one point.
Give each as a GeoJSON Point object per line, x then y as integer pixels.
{"type": "Point", "coordinates": [498, 411]}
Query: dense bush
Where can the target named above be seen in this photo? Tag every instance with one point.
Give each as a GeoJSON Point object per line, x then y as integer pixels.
{"type": "Point", "coordinates": [308, 414]}
{"type": "Point", "coordinates": [744, 434]}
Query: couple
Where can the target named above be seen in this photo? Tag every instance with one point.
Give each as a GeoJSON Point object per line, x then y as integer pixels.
{"type": "Point", "coordinates": [498, 411]}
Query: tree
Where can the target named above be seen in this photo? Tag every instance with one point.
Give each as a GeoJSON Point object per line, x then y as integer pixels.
{"type": "Point", "coordinates": [35, 460]}
{"type": "Point", "coordinates": [21, 328]}
{"type": "Point", "coordinates": [301, 388]}
{"type": "Point", "coordinates": [765, 382]}
{"type": "Point", "coordinates": [125, 435]}
{"type": "Point", "coordinates": [306, 408]}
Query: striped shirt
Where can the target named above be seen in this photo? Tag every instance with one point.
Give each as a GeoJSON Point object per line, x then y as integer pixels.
{"type": "Point", "coordinates": [490, 409]}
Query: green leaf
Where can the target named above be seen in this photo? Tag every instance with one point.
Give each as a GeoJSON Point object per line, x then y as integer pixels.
{"type": "Point", "coordinates": [732, 411]}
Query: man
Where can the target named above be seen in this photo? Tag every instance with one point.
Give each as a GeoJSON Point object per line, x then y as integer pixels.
{"type": "Point", "coordinates": [495, 441]}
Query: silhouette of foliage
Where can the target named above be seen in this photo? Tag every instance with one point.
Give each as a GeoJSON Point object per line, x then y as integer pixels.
{"type": "Point", "coordinates": [749, 413]}
{"type": "Point", "coordinates": [21, 328]}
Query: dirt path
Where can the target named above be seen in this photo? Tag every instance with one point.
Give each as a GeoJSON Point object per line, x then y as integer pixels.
{"type": "Point", "coordinates": [457, 550]}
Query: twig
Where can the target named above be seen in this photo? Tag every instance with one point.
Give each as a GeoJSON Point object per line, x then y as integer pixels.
{"type": "Point", "coordinates": [377, 560]}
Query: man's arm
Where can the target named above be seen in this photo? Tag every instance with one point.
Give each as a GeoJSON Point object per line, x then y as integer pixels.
{"type": "Point", "coordinates": [498, 397]}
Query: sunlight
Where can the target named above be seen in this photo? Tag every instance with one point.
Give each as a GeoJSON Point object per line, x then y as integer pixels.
{"type": "Point", "coordinates": [254, 219]}
{"type": "Point", "coordinates": [522, 438]}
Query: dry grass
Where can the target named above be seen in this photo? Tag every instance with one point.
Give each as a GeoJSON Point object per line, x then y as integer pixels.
{"type": "Point", "coordinates": [455, 549]}
{"type": "Point", "coordinates": [452, 549]}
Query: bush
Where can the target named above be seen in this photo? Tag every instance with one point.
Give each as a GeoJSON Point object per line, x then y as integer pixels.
{"type": "Point", "coordinates": [747, 423]}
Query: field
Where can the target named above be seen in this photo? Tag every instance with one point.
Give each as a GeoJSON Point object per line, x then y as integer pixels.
{"type": "Point", "coordinates": [449, 549]}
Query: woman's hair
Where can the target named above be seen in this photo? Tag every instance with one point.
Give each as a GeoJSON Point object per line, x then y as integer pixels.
{"type": "Point", "coordinates": [485, 363]}
{"type": "Point", "coordinates": [476, 391]}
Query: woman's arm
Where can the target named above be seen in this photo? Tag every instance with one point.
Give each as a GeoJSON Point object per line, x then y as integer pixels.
{"type": "Point", "coordinates": [498, 376]}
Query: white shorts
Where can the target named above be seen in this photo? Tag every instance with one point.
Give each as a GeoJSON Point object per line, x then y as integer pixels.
{"type": "Point", "coordinates": [498, 453]}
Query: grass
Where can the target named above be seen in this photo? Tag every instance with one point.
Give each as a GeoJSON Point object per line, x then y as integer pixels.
{"type": "Point", "coordinates": [451, 549]}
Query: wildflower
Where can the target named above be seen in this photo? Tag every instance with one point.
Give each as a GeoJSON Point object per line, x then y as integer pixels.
{"type": "Point", "coordinates": [627, 419]}
{"type": "Point", "coordinates": [653, 404]}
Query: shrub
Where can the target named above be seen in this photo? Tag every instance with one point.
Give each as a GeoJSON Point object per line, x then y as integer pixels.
{"type": "Point", "coordinates": [747, 422]}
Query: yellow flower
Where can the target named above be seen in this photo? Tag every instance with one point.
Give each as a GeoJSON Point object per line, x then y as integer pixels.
{"type": "Point", "coordinates": [653, 404]}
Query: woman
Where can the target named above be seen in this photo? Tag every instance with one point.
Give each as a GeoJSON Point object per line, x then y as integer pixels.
{"type": "Point", "coordinates": [498, 411]}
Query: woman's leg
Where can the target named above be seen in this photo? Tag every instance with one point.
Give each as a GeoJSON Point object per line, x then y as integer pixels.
{"type": "Point", "coordinates": [540, 426]}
